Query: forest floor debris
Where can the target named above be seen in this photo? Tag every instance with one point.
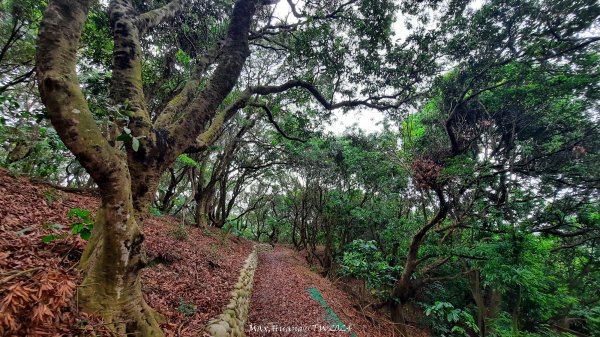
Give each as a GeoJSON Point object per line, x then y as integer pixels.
{"type": "Point", "coordinates": [188, 280]}
{"type": "Point", "coordinates": [282, 306]}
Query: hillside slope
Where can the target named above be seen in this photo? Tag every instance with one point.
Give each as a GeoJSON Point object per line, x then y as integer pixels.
{"type": "Point", "coordinates": [188, 280]}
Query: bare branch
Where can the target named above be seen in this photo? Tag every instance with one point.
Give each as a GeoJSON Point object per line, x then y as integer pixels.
{"type": "Point", "coordinates": [19, 79]}
{"type": "Point", "coordinates": [272, 121]}
{"type": "Point", "coordinates": [371, 102]}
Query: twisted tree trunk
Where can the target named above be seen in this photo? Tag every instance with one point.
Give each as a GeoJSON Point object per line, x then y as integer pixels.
{"type": "Point", "coordinates": [128, 181]}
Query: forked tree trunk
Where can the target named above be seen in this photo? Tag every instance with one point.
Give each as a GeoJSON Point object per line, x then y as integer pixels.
{"type": "Point", "coordinates": [516, 313]}
{"type": "Point", "coordinates": [486, 300]}
{"type": "Point", "coordinates": [112, 260]}
{"type": "Point", "coordinates": [402, 293]}
{"type": "Point", "coordinates": [397, 315]}
{"type": "Point", "coordinates": [111, 263]}
{"type": "Point", "coordinates": [405, 286]}
{"type": "Point", "coordinates": [477, 292]}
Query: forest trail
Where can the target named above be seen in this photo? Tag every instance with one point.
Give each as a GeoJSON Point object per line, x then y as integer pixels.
{"type": "Point", "coordinates": [189, 279]}
{"type": "Point", "coordinates": [286, 301]}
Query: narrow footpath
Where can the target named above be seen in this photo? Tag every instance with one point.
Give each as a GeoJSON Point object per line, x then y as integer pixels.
{"type": "Point", "coordinates": [291, 300]}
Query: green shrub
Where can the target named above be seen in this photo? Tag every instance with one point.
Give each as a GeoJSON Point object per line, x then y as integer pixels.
{"type": "Point", "coordinates": [362, 259]}
{"type": "Point", "coordinates": [187, 309]}
{"type": "Point", "coordinates": [82, 227]}
{"type": "Point", "coordinates": [450, 321]}
{"type": "Point", "coordinates": [154, 211]}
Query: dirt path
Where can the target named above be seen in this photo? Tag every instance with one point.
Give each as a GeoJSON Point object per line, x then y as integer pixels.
{"type": "Point", "coordinates": [290, 300]}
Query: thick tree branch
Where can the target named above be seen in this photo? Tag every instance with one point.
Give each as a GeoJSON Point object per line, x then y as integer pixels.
{"type": "Point", "coordinates": [215, 129]}
{"type": "Point", "coordinates": [272, 121]}
{"type": "Point", "coordinates": [404, 282]}
{"type": "Point", "coordinates": [204, 107]}
{"type": "Point", "coordinates": [157, 16]}
{"type": "Point", "coordinates": [126, 85]}
{"type": "Point", "coordinates": [56, 59]}
{"type": "Point", "coordinates": [576, 243]}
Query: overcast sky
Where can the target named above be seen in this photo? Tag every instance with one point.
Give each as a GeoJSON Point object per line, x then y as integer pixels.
{"type": "Point", "coordinates": [369, 120]}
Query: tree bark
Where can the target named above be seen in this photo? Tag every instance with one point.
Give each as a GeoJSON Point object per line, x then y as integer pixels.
{"type": "Point", "coordinates": [111, 263]}
{"type": "Point", "coordinates": [113, 258]}
{"type": "Point", "coordinates": [203, 202]}
{"type": "Point", "coordinates": [477, 292]}
{"type": "Point", "coordinates": [405, 286]}
{"type": "Point", "coordinates": [166, 203]}
{"type": "Point", "coordinates": [397, 315]}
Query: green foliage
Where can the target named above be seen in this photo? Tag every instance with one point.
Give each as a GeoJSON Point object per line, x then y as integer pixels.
{"type": "Point", "coordinates": [501, 326]}
{"type": "Point", "coordinates": [182, 57]}
{"type": "Point", "coordinates": [26, 146]}
{"type": "Point", "coordinates": [451, 321]}
{"type": "Point", "coordinates": [52, 195]}
{"type": "Point", "coordinates": [127, 137]}
{"type": "Point", "coordinates": [96, 37]}
{"type": "Point", "coordinates": [186, 308]}
{"type": "Point", "coordinates": [186, 160]}
{"type": "Point", "coordinates": [498, 99]}
{"type": "Point", "coordinates": [83, 226]}
{"type": "Point", "coordinates": [154, 211]}
{"type": "Point", "coordinates": [363, 260]}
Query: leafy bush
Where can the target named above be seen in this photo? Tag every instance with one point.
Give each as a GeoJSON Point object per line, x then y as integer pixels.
{"type": "Point", "coordinates": [154, 211]}
{"type": "Point", "coordinates": [187, 309]}
{"type": "Point", "coordinates": [450, 321]}
{"type": "Point", "coordinates": [501, 326]}
{"type": "Point", "coordinates": [51, 195]}
{"type": "Point", "coordinates": [362, 259]}
{"type": "Point", "coordinates": [180, 232]}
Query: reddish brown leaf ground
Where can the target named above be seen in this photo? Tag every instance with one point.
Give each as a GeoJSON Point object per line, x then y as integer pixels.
{"type": "Point", "coordinates": [280, 299]}
{"type": "Point", "coordinates": [189, 285]}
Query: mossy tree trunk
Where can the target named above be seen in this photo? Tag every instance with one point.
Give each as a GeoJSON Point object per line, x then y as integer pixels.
{"type": "Point", "coordinates": [203, 201]}
{"type": "Point", "coordinates": [128, 180]}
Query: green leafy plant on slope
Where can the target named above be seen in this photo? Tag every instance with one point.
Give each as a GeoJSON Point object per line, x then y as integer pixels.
{"type": "Point", "coordinates": [362, 259]}
{"type": "Point", "coordinates": [82, 226]}
{"type": "Point", "coordinates": [451, 321]}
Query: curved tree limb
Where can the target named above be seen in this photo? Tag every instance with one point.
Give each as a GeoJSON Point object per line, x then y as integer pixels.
{"type": "Point", "coordinates": [215, 129]}
{"type": "Point", "coordinates": [203, 108]}
{"type": "Point", "coordinates": [157, 16]}
{"type": "Point", "coordinates": [370, 102]}
{"type": "Point", "coordinates": [272, 121]}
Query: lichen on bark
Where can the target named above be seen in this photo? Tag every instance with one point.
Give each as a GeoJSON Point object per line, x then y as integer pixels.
{"type": "Point", "coordinates": [112, 260]}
